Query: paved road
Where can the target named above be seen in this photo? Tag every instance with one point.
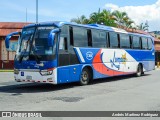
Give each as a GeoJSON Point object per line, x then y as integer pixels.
{"type": "Point", "coordinates": [127, 93]}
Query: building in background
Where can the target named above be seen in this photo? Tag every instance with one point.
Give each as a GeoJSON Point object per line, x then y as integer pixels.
{"type": "Point", "coordinates": [7, 58]}
{"type": "Point", "coordinates": [156, 34]}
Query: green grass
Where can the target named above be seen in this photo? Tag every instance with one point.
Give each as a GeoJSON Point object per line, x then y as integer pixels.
{"type": "Point", "coordinates": [3, 70]}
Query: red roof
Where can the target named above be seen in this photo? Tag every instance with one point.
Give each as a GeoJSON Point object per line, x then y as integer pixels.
{"type": "Point", "coordinates": [137, 31]}
{"type": "Point", "coordinates": [157, 48]}
{"type": "Point", "coordinates": [133, 30]}
{"type": "Point", "coordinates": [157, 40]}
{"type": "Point", "coordinates": [8, 27]}
{"type": "Point", "coordinates": [4, 32]}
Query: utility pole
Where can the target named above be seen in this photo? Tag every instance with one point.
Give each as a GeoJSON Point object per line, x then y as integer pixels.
{"type": "Point", "coordinates": [26, 16]}
{"type": "Point", "coordinates": [36, 11]}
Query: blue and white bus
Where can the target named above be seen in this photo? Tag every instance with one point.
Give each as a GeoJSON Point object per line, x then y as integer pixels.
{"type": "Point", "coordinates": [63, 52]}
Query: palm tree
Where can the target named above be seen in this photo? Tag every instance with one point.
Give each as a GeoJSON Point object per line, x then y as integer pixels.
{"type": "Point", "coordinates": [120, 18]}
{"type": "Point", "coordinates": [128, 23]}
{"type": "Point", "coordinates": [80, 20]}
{"type": "Point", "coordinates": [96, 17]}
{"type": "Point", "coordinates": [115, 19]}
{"type": "Point", "coordinates": [143, 27]}
{"type": "Point", "coordinates": [107, 18]}
{"type": "Point", "coordinates": [104, 17]}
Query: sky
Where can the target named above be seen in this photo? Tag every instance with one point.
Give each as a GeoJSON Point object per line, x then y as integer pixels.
{"type": "Point", "coordinates": [62, 10]}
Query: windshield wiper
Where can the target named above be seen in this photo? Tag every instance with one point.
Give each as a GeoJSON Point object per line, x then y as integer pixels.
{"type": "Point", "coordinates": [21, 56]}
{"type": "Point", "coordinates": [37, 57]}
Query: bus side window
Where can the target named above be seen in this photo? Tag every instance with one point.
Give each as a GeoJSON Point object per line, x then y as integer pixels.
{"type": "Point", "coordinates": [144, 43]}
{"type": "Point", "coordinates": [124, 41]}
{"type": "Point", "coordinates": [63, 43]}
{"type": "Point", "coordinates": [99, 39]}
{"type": "Point", "coordinates": [80, 37]}
{"type": "Point", "coordinates": [71, 36]}
{"type": "Point", "coordinates": [113, 37]}
{"type": "Point", "coordinates": [89, 33]}
{"type": "Point", "coordinates": [150, 43]}
{"type": "Point", "coordinates": [136, 42]}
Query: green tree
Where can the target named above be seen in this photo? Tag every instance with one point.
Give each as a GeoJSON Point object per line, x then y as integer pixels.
{"type": "Point", "coordinates": [107, 18]}
{"type": "Point", "coordinates": [143, 26]}
{"type": "Point", "coordinates": [128, 23]}
{"type": "Point", "coordinates": [121, 18]}
{"type": "Point", "coordinates": [80, 20]}
{"type": "Point", "coordinates": [96, 17]}
{"type": "Point", "coordinates": [115, 19]}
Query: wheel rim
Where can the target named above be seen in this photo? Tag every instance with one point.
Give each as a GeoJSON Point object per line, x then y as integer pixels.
{"type": "Point", "coordinates": [85, 76]}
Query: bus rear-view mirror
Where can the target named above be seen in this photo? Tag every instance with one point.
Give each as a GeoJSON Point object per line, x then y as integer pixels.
{"type": "Point", "coordinates": [51, 37]}
{"type": "Point", "coordinates": [7, 41]}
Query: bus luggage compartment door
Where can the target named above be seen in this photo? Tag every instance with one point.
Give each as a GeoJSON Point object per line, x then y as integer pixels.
{"type": "Point", "coordinates": [63, 75]}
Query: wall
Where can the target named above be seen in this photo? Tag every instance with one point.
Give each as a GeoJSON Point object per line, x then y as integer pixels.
{"type": "Point", "coordinates": [6, 58]}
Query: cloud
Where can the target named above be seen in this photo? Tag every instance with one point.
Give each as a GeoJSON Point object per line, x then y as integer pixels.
{"type": "Point", "coordinates": [139, 14]}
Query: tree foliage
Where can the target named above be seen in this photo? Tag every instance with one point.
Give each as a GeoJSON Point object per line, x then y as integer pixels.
{"type": "Point", "coordinates": [80, 20]}
{"type": "Point", "coordinates": [105, 17]}
{"type": "Point", "coordinates": [143, 26]}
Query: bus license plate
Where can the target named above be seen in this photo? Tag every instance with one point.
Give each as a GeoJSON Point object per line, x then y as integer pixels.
{"type": "Point", "coordinates": [29, 77]}
{"type": "Point", "coordinates": [22, 73]}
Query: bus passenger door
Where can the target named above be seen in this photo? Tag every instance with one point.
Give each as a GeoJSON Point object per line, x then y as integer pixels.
{"type": "Point", "coordinates": [63, 54]}
{"type": "Point", "coordinates": [63, 61]}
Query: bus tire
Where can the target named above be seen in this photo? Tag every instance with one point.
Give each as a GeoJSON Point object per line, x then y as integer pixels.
{"type": "Point", "coordinates": [139, 70]}
{"type": "Point", "coordinates": [85, 76]}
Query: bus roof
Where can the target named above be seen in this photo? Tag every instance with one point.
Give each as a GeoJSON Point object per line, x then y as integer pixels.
{"type": "Point", "coordinates": [93, 26]}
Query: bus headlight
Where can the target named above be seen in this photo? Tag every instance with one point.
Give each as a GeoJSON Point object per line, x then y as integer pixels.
{"type": "Point", "coordinates": [46, 72]}
{"type": "Point", "coordinates": [16, 71]}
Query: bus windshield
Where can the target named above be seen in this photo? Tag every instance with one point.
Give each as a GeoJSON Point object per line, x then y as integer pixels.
{"type": "Point", "coordinates": [26, 37]}
{"type": "Point", "coordinates": [34, 43]}
{"type": "Point", "coordinates": [40, 41]}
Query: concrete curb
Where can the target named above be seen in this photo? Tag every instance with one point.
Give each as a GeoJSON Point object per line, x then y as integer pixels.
{"type": "Point", "coordinates": [156, 68]}
{"type": "Point", "coordinates": [2, 70]}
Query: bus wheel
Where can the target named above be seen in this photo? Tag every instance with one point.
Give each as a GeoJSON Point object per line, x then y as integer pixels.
{"type": "Point", "coordinates": [139, 70]}
{"type": "Point", "coordinates": [85, 76]}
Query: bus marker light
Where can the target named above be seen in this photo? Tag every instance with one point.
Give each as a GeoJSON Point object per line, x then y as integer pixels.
{"type": "Point", "coordinates": [49, 79]}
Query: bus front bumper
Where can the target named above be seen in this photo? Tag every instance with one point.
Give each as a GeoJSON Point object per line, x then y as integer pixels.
{"type": "Point", "coordinates": [36, 76]}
